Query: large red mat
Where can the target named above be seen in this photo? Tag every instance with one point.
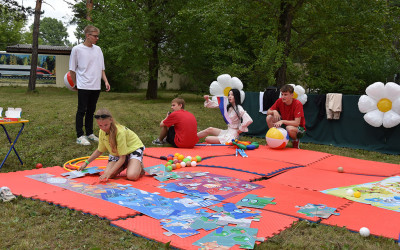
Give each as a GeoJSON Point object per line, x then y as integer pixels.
{"type": "Point", "coordinates": [289, 184]}
{"type": "Point", "coordinates": [356, 166]}
{"type": "Point", "coordinates": [315, 179]}
{"type": "Point", "coordinates": [287, 198]}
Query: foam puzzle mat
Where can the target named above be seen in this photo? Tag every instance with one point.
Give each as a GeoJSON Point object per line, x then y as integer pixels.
{"type": "Point", "coordinates": [226, 200]}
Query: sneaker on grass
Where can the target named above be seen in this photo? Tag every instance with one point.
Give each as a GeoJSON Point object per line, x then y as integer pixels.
{"type": "Point", "coordinates": [92, 137]}
{"type": "Point", "coordinates": [157, 142]}
{"type": "Point", "coordinates": [83, 141]}
{"type": "Point", "coordinates": [6, 195]}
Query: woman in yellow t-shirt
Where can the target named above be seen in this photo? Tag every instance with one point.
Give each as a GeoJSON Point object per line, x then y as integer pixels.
{"type": "Point", "coordinates": [124, 147]}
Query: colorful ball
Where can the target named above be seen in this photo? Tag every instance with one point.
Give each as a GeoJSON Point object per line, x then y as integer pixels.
{"type": "Point", "coordinates": [198, 158]}
{"type": "Point", "coordinates": [183, 164]}
{"type": "Point", "coordinates": [193, 164]}
{"type": "Point", "coordinates": [168, 168]}
{"type": "Point", "coordinates": [357, 194]}
{"type": "Point", "coordinates": [69, 83]}
{"type": "Point", "coordinates": [340, 169]}
{"type": "Point", "coordinates": [277, 138]}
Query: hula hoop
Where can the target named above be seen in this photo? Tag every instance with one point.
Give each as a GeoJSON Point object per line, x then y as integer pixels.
{"type": "Point", "coordinates": [72, 165]}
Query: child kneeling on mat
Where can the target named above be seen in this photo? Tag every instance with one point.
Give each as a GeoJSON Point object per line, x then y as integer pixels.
{"type": "Point", "coordinates": [124, 147]}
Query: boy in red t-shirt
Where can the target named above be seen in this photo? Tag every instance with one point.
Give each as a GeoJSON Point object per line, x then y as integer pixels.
{"type": "Point", "coordinates": [179, 128]}
{"type": "Point", "coordinates": [288, 112]}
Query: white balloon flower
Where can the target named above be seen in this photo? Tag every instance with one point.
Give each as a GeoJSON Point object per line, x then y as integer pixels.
{"type": "Point", "coordinates": [224, 84]}
{"type": "Point", "coordinates": [381, 104]}
{"type": "Point", "coordinates": [299, 93]}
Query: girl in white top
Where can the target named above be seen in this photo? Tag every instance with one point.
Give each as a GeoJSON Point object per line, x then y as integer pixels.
{"type": "Point", "coordinates": [240, 120]}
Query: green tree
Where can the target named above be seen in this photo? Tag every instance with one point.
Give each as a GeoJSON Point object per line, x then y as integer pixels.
{"type": "Point", "coordinates": [52, 32]}
{"type": "Point", "coordinates": [134, 37]}
{"type": "Point", "coordinates": [12, 22]}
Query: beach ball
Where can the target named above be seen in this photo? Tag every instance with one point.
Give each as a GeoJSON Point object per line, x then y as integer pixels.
{"type": "Point", "coordinates": [277, 138]}
{"type": "Point", "coordinates": [68, 82]}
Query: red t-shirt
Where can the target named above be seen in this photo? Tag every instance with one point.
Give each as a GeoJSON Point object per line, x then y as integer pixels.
{"type": "Point", "coordinates": [290, 112]}
{"type": "Point", "coordinates": [185, 125]}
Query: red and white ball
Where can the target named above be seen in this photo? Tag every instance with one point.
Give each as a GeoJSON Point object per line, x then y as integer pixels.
{"type": "Point", "coordinates": [69, 83]}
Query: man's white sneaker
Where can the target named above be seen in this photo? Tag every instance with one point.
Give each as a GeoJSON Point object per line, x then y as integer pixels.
{"type": "Point", "coordinates": [5, 194]}
{"type": "Point", "coordinates": [83, 141]}
{"type": "Point", "coordinates": [92, 137]}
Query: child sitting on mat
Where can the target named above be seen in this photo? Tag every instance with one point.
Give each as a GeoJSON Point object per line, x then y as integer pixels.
{"type": "Point", "coordinates": [124, 147]}
{"type": "Point", "coordinates": [240, 120]}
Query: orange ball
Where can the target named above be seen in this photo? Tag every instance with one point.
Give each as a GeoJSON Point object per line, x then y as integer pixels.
{"type": "Point", "coordinates": [178, 166]}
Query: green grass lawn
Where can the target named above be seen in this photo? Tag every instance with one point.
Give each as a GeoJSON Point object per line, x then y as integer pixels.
{"type": "Point", "coordinates": [49, 138]}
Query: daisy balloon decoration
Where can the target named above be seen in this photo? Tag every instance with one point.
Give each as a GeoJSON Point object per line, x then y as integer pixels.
{"type": "Point", "coordinates": [224, 84]}
{"type": "Point", "coordinates": [381, 104]}
{"type": "Point", "coordinates": [299, 93]}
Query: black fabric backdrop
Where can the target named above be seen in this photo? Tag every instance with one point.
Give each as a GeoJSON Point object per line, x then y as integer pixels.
{"type": "Point", "coordinates": [350, 130]}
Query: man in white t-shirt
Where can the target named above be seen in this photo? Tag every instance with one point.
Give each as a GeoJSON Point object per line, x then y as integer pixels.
{"type": "Point", "coordinates": [86, 66]}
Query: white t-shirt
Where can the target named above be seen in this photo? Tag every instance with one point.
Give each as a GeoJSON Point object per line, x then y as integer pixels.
{"type": "Point", "coordinates": [88, 64]}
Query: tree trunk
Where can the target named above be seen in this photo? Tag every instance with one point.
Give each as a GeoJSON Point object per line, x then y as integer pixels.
{"type": "Point", "coordinates": [287, 11]}
{"type": "Point", "coordinates": [89, 8]}
{"type": "Point", "coordinates": [153, 71]}
{"type": "Point", "coordinates": [35, 46]}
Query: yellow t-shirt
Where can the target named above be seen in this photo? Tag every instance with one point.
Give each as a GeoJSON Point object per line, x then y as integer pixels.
{"type": "Point", "coordinates": [127, 141]}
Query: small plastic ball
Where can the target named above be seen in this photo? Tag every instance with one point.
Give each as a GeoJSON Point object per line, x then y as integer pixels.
{"type": "Point", "coordinates": [39, 165]}
{"type": "Point", "coordinates": [350, 192]}
{"type": "Point", "coordinates": [340, 169]}
{"type": "Point", "coordinates": [171, 155]}
{"type": "Point", "coordinates": [173, 166]}
{"type": "Point", "coordinates": [193, 164]}
{"type": "Point", "coordinates": [169, 158]}
{"type": "Point", "coordinates": [198, 158]}
{"type": "Point", "coordinates": [364, 232]}
{"type": "Point", "coordinates": [183, 164]}
{"type": "Point", "coordinates": [176, 161]}
{"type": "Point", "coordinates": [357, 194]}
{"type": "Point", "coordinates": [180, 157]}
{"type": "Point", "coordinates": [168, 168]}
{"type": "Point", "coordinates": [176, 154]}
{"type": "Point", "coordinates": [178, 166]}
{"type": "Point", "coordinates": [189, 157]}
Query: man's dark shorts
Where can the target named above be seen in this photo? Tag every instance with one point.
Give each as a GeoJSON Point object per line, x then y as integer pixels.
{"type": "Point", "coordinates": [171, 136]}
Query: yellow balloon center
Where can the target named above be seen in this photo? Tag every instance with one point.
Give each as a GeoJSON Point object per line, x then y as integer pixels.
{"type": "Point", "coordinates": [384, 105]}
{"type": "Point", "coordinates": [226, 91]}
{"type": "Point", "coordinates": [295, 95]}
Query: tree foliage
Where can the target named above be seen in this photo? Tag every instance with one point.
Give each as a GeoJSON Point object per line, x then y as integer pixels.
{"type": "Point", "coordinates": [52, 32]}
{"type": "Point", "coordinates": [326, 46]}
{"type": "Point", "coordinates": [12, 21]}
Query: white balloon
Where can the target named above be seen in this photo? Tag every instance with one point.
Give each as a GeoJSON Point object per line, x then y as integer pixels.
{"type": "Point", "coordinates": [302, 99]}
{"type": "Point", "coordinates": [392, 91]}
{"type": "Point", "coordinates": [216, 89]}
{"type": "Point", "coordinates": [366, 104]}
{"type": "Point", "coordinates": [374, 118]}
{"type": "Point", "coordinates": [391, 119]}
{"type": "Point", "coordinates": [242, 96]}
{"type": "Point", "coordinates": [236, 83]}
{"type": "Point", "coordinates": [224, 79]}
{"type": "Point", "coordinates": [376, 91]}
{"type": "Point", "coordinates": [299, 90]}
{"type": "Point", "coordinates": [396, 106]}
